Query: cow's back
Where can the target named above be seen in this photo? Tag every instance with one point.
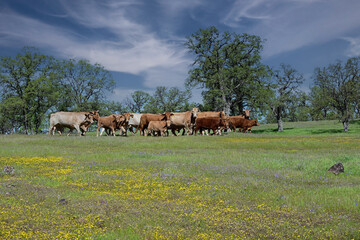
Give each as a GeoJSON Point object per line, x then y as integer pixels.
{"type": "Point", "coordinates": [209, 114]}
{"type": "Point", "coordinates": [67, 118]}
{"type": "Point", "coordinates": [135, 120]}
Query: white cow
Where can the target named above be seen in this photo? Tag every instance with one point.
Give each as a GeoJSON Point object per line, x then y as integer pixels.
{"type": "Point", "coordinates": [134, 122]}
{"type": "Point", "coordinates": [80, 121]}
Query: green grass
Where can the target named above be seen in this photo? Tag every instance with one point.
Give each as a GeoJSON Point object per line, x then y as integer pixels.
{"type": "Point", "coordinates": [256, 186]}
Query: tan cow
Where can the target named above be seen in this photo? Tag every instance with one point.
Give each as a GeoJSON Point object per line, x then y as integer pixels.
{"type": "Point", "coordinates": [80, 121]}
{"type": "Point", "coordinates": [147, 118]}
{"type": "Point", "coordinates": [183, 120]}
{"type": "Point", "coordinates": [111, 123]}
{"type": "Point", "coordinates": [158, 127]}
{"type": "Point", "coordinates": [210, 114]}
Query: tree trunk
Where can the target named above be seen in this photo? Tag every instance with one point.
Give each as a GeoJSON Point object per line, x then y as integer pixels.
{"type": "Point", "coordinates": [346, 125]}
{"type": "Point", "coordinates": [279, 120]}
{"type": "Point", "coordinates": [227, 108]}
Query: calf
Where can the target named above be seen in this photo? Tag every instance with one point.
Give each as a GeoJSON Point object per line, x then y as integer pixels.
{"type": "Point", "coordinates": [213, 123]}
{"type": "Point", "coordinates": [247, 124]}
{"type": "Point", "coordinates": [108, 123]}
{"type": "Point", "coordinates": [147, 118]}
{"type": "Point", "coordinates": [158, 127]}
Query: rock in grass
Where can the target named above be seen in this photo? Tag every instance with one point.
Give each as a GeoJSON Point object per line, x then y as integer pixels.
{"type": "Point", "coordinates": [337, 168]}
{"type": "Point", "coordinates": [63, 201]}
{"type": "Point", "coordinates": [9, 170]}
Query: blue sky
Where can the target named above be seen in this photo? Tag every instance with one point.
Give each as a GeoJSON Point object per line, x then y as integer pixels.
{"type": "Point", "coordinates": [142, 41]}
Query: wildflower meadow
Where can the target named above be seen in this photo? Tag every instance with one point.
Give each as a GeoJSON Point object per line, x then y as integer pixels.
{"type": "Point", "coordinates": [264, 185]}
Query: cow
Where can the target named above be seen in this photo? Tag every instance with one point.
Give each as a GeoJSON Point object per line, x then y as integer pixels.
{"type": "Point", "coordinates": [210, 114]}
{"type": "Point", "coordinates": [158, 127]}
{"type": "Point", "coordinates": [146, 118]}
{"type": "Point", "coordinates": [246, 114]}
{"type": "Point", "coordinates": [122, 124]}
{"type": "Point", "coordinates": [134, 122]}
{"type": "Point", "coordinates": [80, 121]}
{"type": "Point", "coordinates": [244, 124]}
{"type": "Point", "coordinates": [111, 123]}
{"type": "Point", "coordinates": [213, 123]}
{"type": "Point", "coordinates": [125, 122]}
{"type": "Point", "coordinates": [183, 120]}
{"type": "Point", "coordinates": [235, 122]}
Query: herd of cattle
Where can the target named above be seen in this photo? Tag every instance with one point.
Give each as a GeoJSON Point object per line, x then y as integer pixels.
{"type": "Point", "coordinates": [156, 124]}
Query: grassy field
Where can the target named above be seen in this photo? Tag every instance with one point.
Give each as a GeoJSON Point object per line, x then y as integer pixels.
{"type": "Point", "coordinates": [265, 185]}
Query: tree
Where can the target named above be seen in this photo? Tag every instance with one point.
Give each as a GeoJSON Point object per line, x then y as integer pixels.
{"type": "Point", "coordinates": [84, 85]}
{"type": "Point", "coordinates": [29, 88]}
{"type": "Point", "coordinates": [340, 84]}
{"type": "Point", "coordinates": [137, 102]}
{"type": "Point", "coordinates": [320, 104]}
{"type": "Point", "coordinates": [226, 66]}
{"type": "Point", "coordinates": [287, 80]}
{"type": "Point", "coordinates": [168, 100]}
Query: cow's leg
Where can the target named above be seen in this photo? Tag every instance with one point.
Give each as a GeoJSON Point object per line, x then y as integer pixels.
{"type": "Point", "coordinates": [173, 132]}
{"type": "Point", "coordinates": [124, 130]}
{"type": "Point", "coordinates": [97, 130]}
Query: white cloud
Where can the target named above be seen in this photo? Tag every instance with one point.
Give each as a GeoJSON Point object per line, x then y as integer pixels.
{"type": "Point", "coordinates": [132, 48]}
{"type": "Point", "coordinates": [354, 46]}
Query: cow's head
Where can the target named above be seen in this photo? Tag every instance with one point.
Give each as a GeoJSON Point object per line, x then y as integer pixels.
{"type": "Point", "coordinates": [225, 122]}
{"type": "Point", "coordinates": [222, 114]}
{"type": "Point", "coordinates": [194, 112]}
{"type": "Point", "coordinates": [246, 113]}
{"type": "Point", "coordinates": [118, 119]}
{"type": "Point", "coordinates": [95, 115]}
{"type": "Point", "coordinates": [128, 116]}
{"type": "Point", "coordinates": [89, 117]}
{"type": "Point", "coordinates": [166, 117]}
{"type": "Point", "coordinates": [256, 122]}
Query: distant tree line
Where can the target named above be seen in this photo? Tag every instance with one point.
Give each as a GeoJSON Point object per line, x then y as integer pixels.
{"type": "Point", "coordinates": [227, 67]}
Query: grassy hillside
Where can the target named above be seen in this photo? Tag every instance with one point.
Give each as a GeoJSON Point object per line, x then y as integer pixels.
{"type": "Point", "coordinates": [310, 128]}
{"type": "Point", "coordinates": [256, 186]}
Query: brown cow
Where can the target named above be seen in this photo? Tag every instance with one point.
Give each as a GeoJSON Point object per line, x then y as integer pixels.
{"type": "Point", "coordinates": [245, 124]}
{"type": "Point", "coordinates": [109, 122]}
{"type": "Point", "coordinates": [183, 120]}
{"type": "Point", "coordinates": [80, 121]}
{"type": "Point", "coordinates": [125, 122]}
{"type": "Point", "coordinates": [146, 118]}
{"type": "Point", "coordinates": [210, 114]}
{"type": "Point", "coordinates": [213, 123]}
{"type": "Point", "coordinates": [158, 127]}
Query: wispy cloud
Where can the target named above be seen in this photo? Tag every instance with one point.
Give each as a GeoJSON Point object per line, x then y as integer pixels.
{"type": "Point", "coordinates": [290, 25]}
{"type": "Point", "coordinates": [354, 46]}
{"type": "Point", "coordinates": [131, 47]}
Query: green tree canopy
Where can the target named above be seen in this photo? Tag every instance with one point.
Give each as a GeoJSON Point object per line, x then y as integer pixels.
{"type": "Point", "coordinates": [29, 85]}
{"type": "Point", "coordinates": [84, 85]}
{"type": "Point", "coordinates": [168, 100]}
{"type": "Point", "coordinates": [228, 67]}
{"type": "Point", "coordinates": [339, 85]}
